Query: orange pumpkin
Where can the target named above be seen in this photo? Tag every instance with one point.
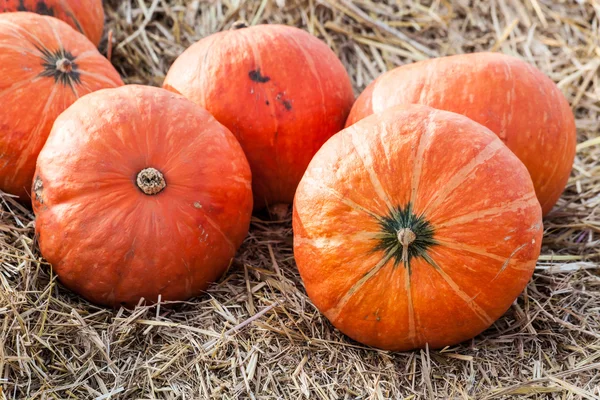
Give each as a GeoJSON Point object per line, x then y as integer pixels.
{"type": "Point", "coordinates": [281, 91]}
{"type": "Point", "coordinates": [415, 226]}
{"type": "Point", "coordinates": [510, 97]}
{"type": "Point", "coordinates": [44, 67]}
{"type": "Point", "coordinates": [139, 193]}
{"type": "Point", "coordinates": [86, 16]}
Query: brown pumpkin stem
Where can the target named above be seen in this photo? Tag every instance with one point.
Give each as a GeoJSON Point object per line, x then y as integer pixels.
{"type": "Point", "coordinates": [241, 24]}
{"type": "Point", "coordinates": [151, 181]}
{"type": "Point", "coordinates": [64, 65]}
{"type": "Point", "coordinates": [406, 237]}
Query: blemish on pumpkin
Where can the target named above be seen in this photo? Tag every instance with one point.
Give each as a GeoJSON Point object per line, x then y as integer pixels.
{"type": "Point", "coordinates": [267, 102]}
{"type": "Point", "coordinates": [257, 77]}
{"type": "Point", "coordinates": [197, 205]}
{"type": "Point", "coordinates": [38, 188]}
{"type": "Point", "coordinates": [286, 103]}
{"type": "Point", "coordinates": [129, 255]}
{"type": "Point", "coordinates": [43, 9]}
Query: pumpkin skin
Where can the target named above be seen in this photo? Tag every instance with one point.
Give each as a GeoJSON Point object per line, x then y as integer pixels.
{"type": "Point", "coordinates": [86, 17]}
{"type": "Point", "coordinates": [281, 91]}
{"type": "Point", "coordinates": [113, 228]}
{"type": "Point", "coordinates": [44, 67]}
{"type": "Point", "coordinates": [509, 96]}
{"type": "Point", "coordinates": [407, 235]}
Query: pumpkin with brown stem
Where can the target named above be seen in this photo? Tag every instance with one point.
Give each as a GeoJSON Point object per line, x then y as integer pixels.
{"type": "Point", "coordinates": [415, 226]}
{"type": "Point", "coordinates": [509, 96]}
{"type": "Point", "coordinates": [85, 16]}
{"type": "Point", "coordinates": [44, 67]}
{"type": "Point", "coordinates": [139, 193]}
{"type": "Point", "coordinates": [281, 91]}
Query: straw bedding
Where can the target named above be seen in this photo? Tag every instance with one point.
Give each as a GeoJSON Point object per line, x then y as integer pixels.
{"type": "Point", "coordinates": [255, 334]}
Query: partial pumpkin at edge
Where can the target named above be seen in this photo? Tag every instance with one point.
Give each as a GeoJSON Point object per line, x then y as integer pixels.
{"type": "Point", "coordinates": [509, 96]}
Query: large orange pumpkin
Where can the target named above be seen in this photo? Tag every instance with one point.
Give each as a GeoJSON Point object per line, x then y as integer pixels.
{"type": "Point", "coordinates": [139, 193]}
{"type": "Point", "coordinates": [512, 98]}
{"type": "Point", "coordinates": [281, 91]}
{"type": "Point", "coordinates": [415, 226]}
{"type": "Point", "coordinates": [44, 67]}
{"type": "Point", "coordinates": [86, 16]}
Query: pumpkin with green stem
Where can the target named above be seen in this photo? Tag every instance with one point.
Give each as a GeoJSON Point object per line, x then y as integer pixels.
{"type": "Point", "coordinates": [415, 227]}
{"type": "Point", "coordinates": [45, 66]}
{"type": "Point", "coordinates": [85, 16]}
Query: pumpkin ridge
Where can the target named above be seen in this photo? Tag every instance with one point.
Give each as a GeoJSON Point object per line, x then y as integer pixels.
{"type": "Point", "coordinates": [217, 228]}
{"type": "Point", "coordinates": [511, 206]}
{"type": "Point", "coordinates": [343, 199]}
{"type": "Point", "coordinates": [35, 134]}
{"type": "Point", "coordinates": [375, 182]}
{"type": "Point", "coordinates": [469, 301]}
{"type": "Point", "coordinates": [19, 48]}
{"type": "Point", "coordinates": [28, 36]}
{"type": "Point", "coordinates": [16, 85]}
{"type": "Point", "coordinates": [419, 152]}
{"type": "Point", "coordinates": [97, 77]}
{"type": "Point", "coordinates": [412, 320]}
{"type": "Point", "coordinates": [451, 244]}
{"type": "Point", "coordinates": [335, 310]}
{"type": "Point", "coordinates": [507, 262]}
{"type": "Point", "coordinates": [463, 174]}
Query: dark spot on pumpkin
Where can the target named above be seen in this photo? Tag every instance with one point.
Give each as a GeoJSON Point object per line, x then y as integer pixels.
{"type": "Point", "coordinates": [286, 103]}
{"type": "Point", "coordinates": [43, 9]}
{"type": "Point", "coordinates": [257, 77]}
{"type": "Point", "coordinates": [267, 102]}
{"type": "Point", "coordinates": [21, 6]}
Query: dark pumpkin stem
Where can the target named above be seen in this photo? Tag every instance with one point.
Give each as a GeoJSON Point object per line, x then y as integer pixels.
{"type": "Point", "coordinates": [151, 181]}
{"type": "Point", "coordinates": [241, 24]}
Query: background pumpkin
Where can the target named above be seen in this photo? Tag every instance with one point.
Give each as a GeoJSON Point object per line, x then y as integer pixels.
{"type": "Point", "coordinates": [85, 16]}
{"type": "Point", "coordinates": [406, 233]}
{"type": "Point", "coordinates": [511, 97]}
{"type": "Point", "coordinates": [281, 91]}
{"type": "Point", "coordinates": [44, 67]}
{"type": "Point", "coordinates": [139, 192]}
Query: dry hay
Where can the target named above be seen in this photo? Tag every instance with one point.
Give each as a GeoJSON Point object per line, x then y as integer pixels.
{"type": "Point", "coordinates": [256, 334]}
